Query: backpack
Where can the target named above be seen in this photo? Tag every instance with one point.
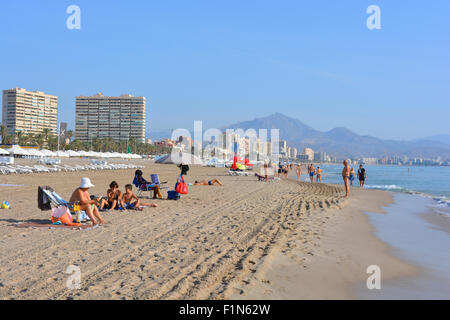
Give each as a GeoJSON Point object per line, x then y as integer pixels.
{"type": "Point", "coordinates": [173, 195]}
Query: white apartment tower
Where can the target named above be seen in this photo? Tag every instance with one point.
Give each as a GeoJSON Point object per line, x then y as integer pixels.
{"type": "Point", "coordinates": [119, 118]}
{"type": "Point", "coordinates": [29, 111]}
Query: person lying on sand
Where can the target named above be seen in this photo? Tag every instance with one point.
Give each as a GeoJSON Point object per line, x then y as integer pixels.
{"type": "Point", "coordinates": [114, 195]}
{"type": "Point", "coordinates": [208, 183]}
{"type": "Point", "coordinates": [82, 197]}
{"type": "Point", "coordinates": [129, 196]}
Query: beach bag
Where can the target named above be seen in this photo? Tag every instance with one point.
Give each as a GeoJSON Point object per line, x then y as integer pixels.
{"type": "Point", "coordinates": [182, 187]}
{"type": "Point", "coordinates": [173, 195]}
{"type": "Point", "coordinates": [62, 214]}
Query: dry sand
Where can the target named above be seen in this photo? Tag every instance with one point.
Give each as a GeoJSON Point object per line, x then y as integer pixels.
{"type": "Point", "coordinates": [248, 239]}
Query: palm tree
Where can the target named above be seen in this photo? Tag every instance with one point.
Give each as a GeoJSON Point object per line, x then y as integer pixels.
{"type": "Point", "coordinates": [4, 133]}
{"type": "Point", "coordinates": [40, 140]}
{"type": "Point", "coordinates": [20, 138]}
{"type": "Point", "coordinates": [45, 134]}
{"type": "Point", "coordinates": [69, 135]}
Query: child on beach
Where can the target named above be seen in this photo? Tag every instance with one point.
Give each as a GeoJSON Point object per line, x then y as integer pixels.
{"type": "Point", "coordinates": [129, 196]}
{"type": "Point", "coordinates": [113, 197]}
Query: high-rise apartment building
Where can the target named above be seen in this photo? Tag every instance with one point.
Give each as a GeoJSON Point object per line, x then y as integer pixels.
{"type": "Point", "coordinates": [29, 111]}
{"type": "Point", "coordinates": [310, 153]}
{"type": "Point", "coordinates": [119, 118]}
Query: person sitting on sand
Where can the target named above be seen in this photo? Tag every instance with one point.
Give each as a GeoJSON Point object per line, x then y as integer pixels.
{"type": "Point", "coordinates": [319, 175]}
{"type": "Point", "coordinates": [346, 176]}
{"type": "Point", "coordinates": [113, 197]}
{"type": "Point", "coordinates": [129, 196]}
{"type": "Point", "coordinates": [82, 197]}
{"type": "Point", "coordinates": [208, 183]}
{"type": "Point", "coordinates": [311, 171]}
{"type": "Point", "coordinates": [142, 181]}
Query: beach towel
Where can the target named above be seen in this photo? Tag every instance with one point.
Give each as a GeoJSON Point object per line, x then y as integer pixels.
{"type": "Point", "coordinates": [54, 226]}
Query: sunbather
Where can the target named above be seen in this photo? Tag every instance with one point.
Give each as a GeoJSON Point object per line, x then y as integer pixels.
{"type": "Point", "coordinates": [208, 183]}
{"type": "Point", "coordinates": [129, 196]}
{"type": "Point", "coordinates": [113, 197]}
{"type": "Point", "coordinates": [82, 197]}
{"type": "Point", "coordinates": [142, 181]}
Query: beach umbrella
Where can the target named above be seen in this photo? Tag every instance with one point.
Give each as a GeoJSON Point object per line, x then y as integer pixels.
{"type": "Point", "coordinates": [16, 150]}
{"type": "Point", "coordinates": [73, 154]}
{"type": "Point", "coordinates": [48, 153]}
{"type": "Point", "coordinates": [180, 158]}
{"type": "Point", "coordinates": [36, 153]}
{"type": "Point", "coordinates": [61, 154]}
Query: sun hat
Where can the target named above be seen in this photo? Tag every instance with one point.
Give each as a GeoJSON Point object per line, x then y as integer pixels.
{"type": "Point", "coordinates": [86, 183]}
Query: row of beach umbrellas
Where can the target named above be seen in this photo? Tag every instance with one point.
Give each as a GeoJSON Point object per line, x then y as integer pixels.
{"type": "Point", "coordinates": [16, 150]}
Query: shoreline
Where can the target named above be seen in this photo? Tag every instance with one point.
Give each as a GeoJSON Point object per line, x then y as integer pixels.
{"type": "Point", "coordinates": [348, 246]}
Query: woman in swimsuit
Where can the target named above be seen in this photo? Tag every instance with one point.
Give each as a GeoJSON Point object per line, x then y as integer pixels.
{"type": "Point", "coordinates": [299, 172]}
{"type": "Point", "coordinates": [208, 183]}
{"type": "Point", "coordinates": [319, 175]}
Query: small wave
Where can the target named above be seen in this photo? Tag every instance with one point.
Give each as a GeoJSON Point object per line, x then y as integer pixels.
{"type": "Point", "coordinates": [391, 187]}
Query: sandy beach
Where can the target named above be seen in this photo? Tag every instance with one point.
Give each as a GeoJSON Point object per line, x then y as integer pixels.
{"type": "Point", "coordinates": [246, 240]}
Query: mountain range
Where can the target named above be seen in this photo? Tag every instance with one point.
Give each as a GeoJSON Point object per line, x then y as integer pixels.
{"type": "Point", "coordinates": [342, 142]}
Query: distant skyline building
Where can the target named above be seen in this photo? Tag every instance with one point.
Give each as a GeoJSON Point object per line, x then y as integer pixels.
{"type": "Point", "coordinates": [119, 118]}
{"type": "Point", "coordinates": [29, 111]}
{"type": "Point", "coordinates": [310, 153]}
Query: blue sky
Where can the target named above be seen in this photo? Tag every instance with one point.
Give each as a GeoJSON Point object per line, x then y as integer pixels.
{"type": "Point", "coordinates": [224, 61]}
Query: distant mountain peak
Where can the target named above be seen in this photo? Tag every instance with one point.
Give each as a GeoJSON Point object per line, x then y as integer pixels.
{"type": "Point", "coordinates": [340, 141]}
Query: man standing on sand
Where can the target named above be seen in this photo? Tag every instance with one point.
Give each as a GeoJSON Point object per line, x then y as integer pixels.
{"type": "Point", "coordinates": [82, 197]}
{"type": "Point", "coordinates": [311, 171]}
{"type": "Point", "coordinates": [346, 176]}
{"type": "Point", "coordinates": [362, 175]}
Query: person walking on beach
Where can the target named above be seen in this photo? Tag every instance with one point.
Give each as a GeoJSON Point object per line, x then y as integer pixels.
{"type": "Point", "coordinates": [346, 176]}
{"type": "Point", "coordinates": [311, 171]}
{"type": "Point", "coordinates": [266, 171]}
{"type": "Point", "coordinates": [352, 176]}
{"type": "Point", "coordinates": [299, 171]}
{"type": "Point", "coordinates": [82, 197]}
{"type": "Point", "coordinates": [319, 175]}
{"type": "Point", "coordinates": [362, 176]}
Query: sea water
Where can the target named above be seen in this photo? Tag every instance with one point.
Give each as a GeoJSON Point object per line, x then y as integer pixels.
{"type": "Point", "coordinates": [416, 241]}
{"type": "Point", "coordinates": [429, 182]}
{"type": "Point", "coordinates": [418, 192]}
